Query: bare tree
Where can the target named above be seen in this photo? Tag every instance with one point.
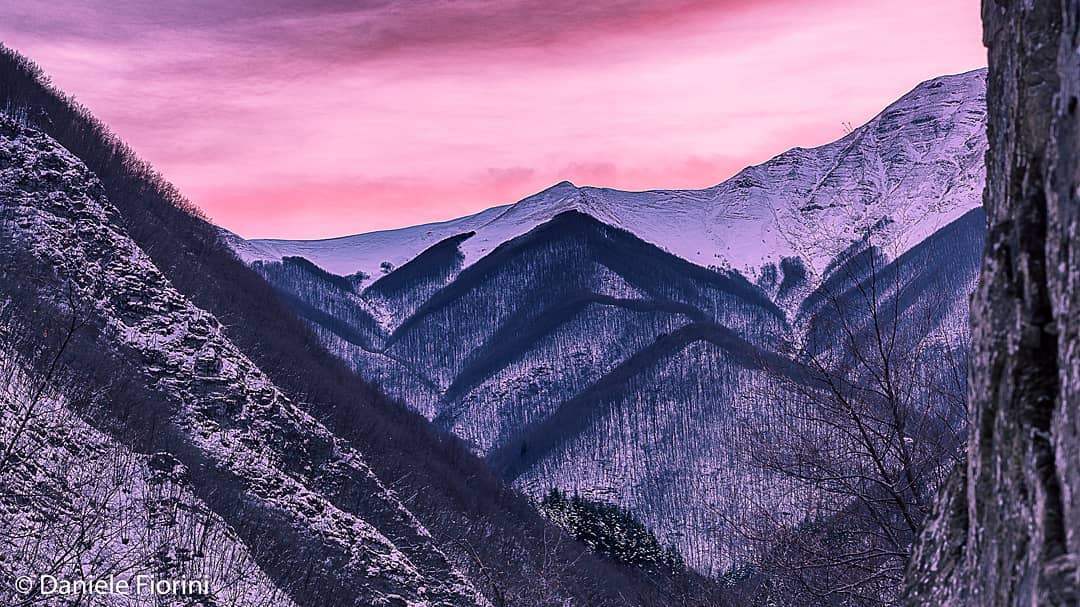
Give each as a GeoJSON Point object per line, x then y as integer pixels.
{"type": "Point", "coordinates": [866, 417]}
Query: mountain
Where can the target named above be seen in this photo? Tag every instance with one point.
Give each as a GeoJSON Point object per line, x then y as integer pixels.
{"type": "Point", "coordinates": [625, 345]}
{"type": "Point", "coordinates": [165, 411]}
{"type": "Point", "coordinates": [912, 169]}
{"type": "Point", "coordinates": [280, 477]}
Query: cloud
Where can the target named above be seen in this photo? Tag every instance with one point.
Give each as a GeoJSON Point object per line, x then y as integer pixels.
{"type": "Point", "coordinates": [373, 26]}
{"type": "Point", "coordinates": [238, 39]}
{"type": "Point", "coordinates": [508, 176]}
{"type": "Point", "coordinates": [350, 116]}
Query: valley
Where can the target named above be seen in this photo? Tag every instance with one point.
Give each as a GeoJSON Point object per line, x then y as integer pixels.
{"type": "Point", "coordinates": [618, 344]}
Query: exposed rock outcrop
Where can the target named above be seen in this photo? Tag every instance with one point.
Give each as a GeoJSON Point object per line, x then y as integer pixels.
{"type": "Point", "coordinates": [334, 533]}
{"type": "Point", "coordinates": [1005, 532]}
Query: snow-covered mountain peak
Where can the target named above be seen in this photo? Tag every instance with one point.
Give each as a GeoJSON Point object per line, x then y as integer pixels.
{"type": "Point", "coordinates": [578, 357]}
{"type": "Point", "coordinates": [913, 168]}
{"type": "Point", "coordinates": [563, 196]}
{"type": "Point", "coordinates": [542, 206]}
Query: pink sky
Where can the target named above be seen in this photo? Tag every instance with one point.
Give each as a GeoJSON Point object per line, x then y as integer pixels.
{"type": "Point", "coordinates": [327, 117]}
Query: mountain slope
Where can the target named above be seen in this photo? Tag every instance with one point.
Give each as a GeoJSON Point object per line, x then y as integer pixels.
{"type": "Point", "coordinates": [568, 339]}
{"type": "Point", "coordinates": [490, 534]}
{"type": "Point", "coordinates": [276, 475]}
{"type": "Point", "coordinates": [147, 521]}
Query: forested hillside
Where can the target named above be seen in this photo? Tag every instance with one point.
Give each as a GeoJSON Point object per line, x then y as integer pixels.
{"type": "Point", "coordinates": [198, 368]}
{"type": "Point", "coordinates": [575, 341]}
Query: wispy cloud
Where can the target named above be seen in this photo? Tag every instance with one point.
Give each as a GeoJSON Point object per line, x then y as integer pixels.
{"type": "Point", "coordinates": [345, 116]}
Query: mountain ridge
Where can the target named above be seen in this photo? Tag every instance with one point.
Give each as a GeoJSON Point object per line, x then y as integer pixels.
{"type": "Point", "coordinates": [222, 409]}
{"type": "Point", "coordinates": [632, 370]}
{"type": "Point", "coordinates": [751, 219]}
{"type": "Point", "coordinates": [558, 322]}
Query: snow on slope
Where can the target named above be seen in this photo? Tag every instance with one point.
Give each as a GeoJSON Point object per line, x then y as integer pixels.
{"type": "Point", "coordinates": [911, 170]}
{"type": "Point", "coordinates": [146, 520]}
{"type": "Point", "coordinates": [231, 413]}
{"type": "Point", "coordinates": [363, 252]}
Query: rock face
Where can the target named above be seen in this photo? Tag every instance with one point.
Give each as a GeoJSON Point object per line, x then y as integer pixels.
{"type": "Point", "coordinates": [1005, 531]}
{"type": "Point", "coordinates": [275, 474]}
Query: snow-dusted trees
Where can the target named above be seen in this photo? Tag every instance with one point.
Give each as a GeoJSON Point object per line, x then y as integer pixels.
{"type": "Point", "coordinates": [76, 503]}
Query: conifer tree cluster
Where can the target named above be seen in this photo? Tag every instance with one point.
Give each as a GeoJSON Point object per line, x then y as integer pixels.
{"type": "Point", "coordinates": [609, 530]}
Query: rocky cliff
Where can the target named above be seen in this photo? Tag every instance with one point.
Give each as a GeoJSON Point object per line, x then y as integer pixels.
{"type": "Point", "coordinates": [276, 476]}
{"type": "Point", "coordinates": [1005, 529]}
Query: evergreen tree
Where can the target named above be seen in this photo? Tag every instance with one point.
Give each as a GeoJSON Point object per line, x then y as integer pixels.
{"type": "Point", "coordinates": [609, 530]}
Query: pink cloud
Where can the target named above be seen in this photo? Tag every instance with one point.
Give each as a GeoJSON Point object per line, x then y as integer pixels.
{"type": "Point", "coordinates": [316, 119]}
